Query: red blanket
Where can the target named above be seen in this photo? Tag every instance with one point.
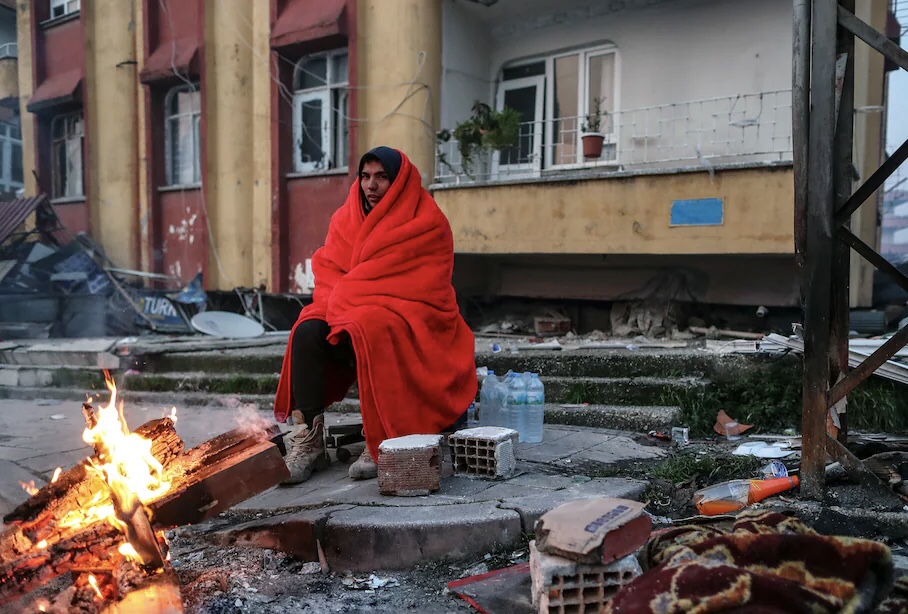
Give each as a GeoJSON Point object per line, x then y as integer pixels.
{"type": "Point", "coordinates": [385, 280]}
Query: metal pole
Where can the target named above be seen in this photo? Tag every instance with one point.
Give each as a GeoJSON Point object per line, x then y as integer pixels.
{"type": "Point", "coordinates": [820, 215]}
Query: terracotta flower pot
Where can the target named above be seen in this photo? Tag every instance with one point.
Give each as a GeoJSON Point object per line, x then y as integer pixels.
{"type": "Point", "coordinates": [592, 145]}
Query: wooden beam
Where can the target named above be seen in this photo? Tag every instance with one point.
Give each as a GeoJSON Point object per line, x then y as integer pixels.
{"type": "Point", "coordinates": [870, 364]}
{"type": "Point", "coordinates": [873, 183]}
{"type": "Point", "coordinates": [819, 254]}
{"type": "Point", "coordinates": [872, 37]}
{"type": "Point", "coordinates": [873, 257]}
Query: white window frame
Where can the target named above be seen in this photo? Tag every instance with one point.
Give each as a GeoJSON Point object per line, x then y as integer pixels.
{"type": "Point", "coordinates": [195, 116]}
{"type": "Point", "coordinates": [8, 141]}
{"type": "Point", "coordinates": [584, 55]}
{"type": "Point", "coordinates": [335, 139]}
{"type": "Point", "coordinates": [73, 130]}
{"type": "Point", "coordinates": [535, 165]}
{"type": "Point", "coordinates": [65, 7]}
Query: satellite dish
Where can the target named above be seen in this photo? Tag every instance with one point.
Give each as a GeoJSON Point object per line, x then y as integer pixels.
{"type": "Point", "coordinates": [226, 325]}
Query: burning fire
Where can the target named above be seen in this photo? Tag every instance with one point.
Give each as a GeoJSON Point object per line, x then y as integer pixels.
{"type": "Point", "coordinates": [93, 582]}
{"type": "Point", "coordinates": [57, 473]}
{"type": "Point", "coordinates": [126, 464]}
{"type": "Point", "coordinates": [173, 414]}
{"type": "Point", "coordinates": [28, 487]}
{"type": "Point", "coordinates": [129, 552]}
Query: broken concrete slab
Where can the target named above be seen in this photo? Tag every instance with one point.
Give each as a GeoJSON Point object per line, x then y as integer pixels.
{"type": "Point", "coordinates": [91, 352]}
{"type": "Point", "coordinates": [297, 533]}
{"type": "Point", "coordinates": [531, 507]}
{"type": "Point", "coordinates": [369, 538]}
{"type": "Point", "coordinates": [619, 449]}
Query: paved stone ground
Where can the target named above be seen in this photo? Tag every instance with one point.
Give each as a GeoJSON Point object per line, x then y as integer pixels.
{"type": "Point", "coordinates": [358, 528]}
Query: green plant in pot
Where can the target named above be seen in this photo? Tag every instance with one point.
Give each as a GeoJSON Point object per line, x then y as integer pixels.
{"type": "Point", "coordinates": [590, 131]}
{"type": "Point", "coordinates": [486, 130]}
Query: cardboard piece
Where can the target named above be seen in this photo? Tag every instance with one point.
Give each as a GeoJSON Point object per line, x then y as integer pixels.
{"type": "Point", "coordinates": [594, 530]}
{"type": "Point", "coordinates": [726, 425]}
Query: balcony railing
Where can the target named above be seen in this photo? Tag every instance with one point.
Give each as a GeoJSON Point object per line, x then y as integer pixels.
{"type": "Point", "coordinates": [9, 50]}
{"type": "Point", "coordinates": [751, 128]}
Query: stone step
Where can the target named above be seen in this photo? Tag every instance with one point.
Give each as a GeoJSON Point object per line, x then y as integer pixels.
{"type": "Point", "coordinates": [93, 353]}
{"type": "Point", "coordinates": [87, 378]}
{"type": "Point", "coordinates": [625, 418]}
{"type": "Point", "coordinates": [585, 363]}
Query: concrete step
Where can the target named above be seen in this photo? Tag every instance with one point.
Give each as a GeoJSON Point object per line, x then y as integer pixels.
{"type": "Point", "coordinates": [94, 353]}
{"type": "Point", "coordinates": [36, 376]}
{"type": "Point", "coordinates": [625, 418]}
{"type": "Point", "coordinates": [586, 363]}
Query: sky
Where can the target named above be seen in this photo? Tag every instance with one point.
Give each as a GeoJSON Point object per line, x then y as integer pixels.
{"type": "Point", "coordinates": [897, 120]}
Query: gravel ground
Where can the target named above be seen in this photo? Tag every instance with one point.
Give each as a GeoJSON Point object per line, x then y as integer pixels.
{"type": "Point", "coordinates": [220, 580]}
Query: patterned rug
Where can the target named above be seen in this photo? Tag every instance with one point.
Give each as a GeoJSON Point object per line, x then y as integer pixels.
{"type": "Point", "coordinates": [768, 562]}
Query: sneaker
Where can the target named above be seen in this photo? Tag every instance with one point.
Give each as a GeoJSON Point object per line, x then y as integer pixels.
{"type": "Point", "coordinates": [305, 449]}
{"type": "Point", "coordinates": [364, 468]}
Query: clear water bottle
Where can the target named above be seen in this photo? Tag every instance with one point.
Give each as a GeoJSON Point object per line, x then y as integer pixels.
{"type": "Point", "coordinates": [523, 417]}
{"type": "Point", "coordinates": [489, 396]}
{"type": "Point", "coordinates": [535, 409]}
{"type": "Point", "coordinates": [517, 400]}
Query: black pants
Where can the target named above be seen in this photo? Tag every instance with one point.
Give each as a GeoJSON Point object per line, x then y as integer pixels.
{"type": "Point", "coordinates": [311, 352]}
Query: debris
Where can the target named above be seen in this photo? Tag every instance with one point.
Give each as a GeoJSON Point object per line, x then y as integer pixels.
{"type": "Point", "coordinates": [659, 435]}
{"type": "Point", "coordinates": [728, 427]}
{"type": "Point", "coordinates": [311, 568]}
{"type": "Point", "coordinates": [369, 584]}
{"type": "Point", "coordinates": [552, 325]}
{"type": "Point", "coordinates": [593, 531]}
{"type": "Point", "coordinates": [775, 469]}
{"type": "Point", "coordinates": [681, 435]}
{"type": "Point", "coordinates": [476, 570]}
{"type": "Point", "coordinates": [761, 449]}
{"type": "Point", "coordinates": [737, 334]}
{"type": "Point", "coordinates": [503, 591]}
{"type": "Point", "coordinates": [731, 496]}
{"type": "Point", "coordinates": [58, 417]}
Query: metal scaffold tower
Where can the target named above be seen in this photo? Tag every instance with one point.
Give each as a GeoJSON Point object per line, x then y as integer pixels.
{"type": "Point", "coordinates": [823, 125]}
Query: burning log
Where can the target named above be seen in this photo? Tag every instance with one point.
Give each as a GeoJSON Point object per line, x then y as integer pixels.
{"type": "Point", "coordinates": [97, 518]}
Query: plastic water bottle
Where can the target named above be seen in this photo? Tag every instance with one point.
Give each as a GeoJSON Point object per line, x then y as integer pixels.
{"type": "Point", "coordinates": [535, 409]}
{"type": "Point", "coordinates": [523, 416]}
{"type": "Point", "coordinates": [488, 400]}
{"type": "Point", "coordinates": [517, 400]}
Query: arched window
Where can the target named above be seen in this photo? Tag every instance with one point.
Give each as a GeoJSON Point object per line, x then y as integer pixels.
{"type": "Point", "coordinates": [182, 134]}
{"type": "Point", "coordinates": [67, 133]}
{"type": "Point", "coordinates": [320, 108]}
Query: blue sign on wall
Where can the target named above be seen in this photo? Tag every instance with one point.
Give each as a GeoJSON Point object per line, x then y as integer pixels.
{"type": "Point", "coordinates": [698, 212]}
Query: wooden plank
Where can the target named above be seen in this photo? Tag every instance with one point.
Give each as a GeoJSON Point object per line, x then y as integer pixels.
{"type": "Point", "coordinates": [219, 486]}
{"type": "Point", "coordinates": [873, 183]}
{"type": "Point", "coordinates": [872, 37]}
{"type": "Point", "coordinates": [873, 257]}
{"type": "Point", "coordinates": [863, 476]}
{"type": "Point", "coordinates": [870, 364]}
{"type": "Point", "coordinates": [800, 113]}
{"type": "Point", "coordinates": [841, 253]}
{"type": "Point", "coordinates": [817, 278]}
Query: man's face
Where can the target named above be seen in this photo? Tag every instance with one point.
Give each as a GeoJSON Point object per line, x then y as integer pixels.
{"type": "Point", "coordinates": [374, 181]}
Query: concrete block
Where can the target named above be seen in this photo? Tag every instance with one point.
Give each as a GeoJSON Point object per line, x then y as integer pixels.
{"type": "Point", "coordinates": [372, 538]}
{"type": "Point", "coordinates": [486, 451]}
{"type": "Point", "coordinates": [9, 376]}
{"type": "Point", "coordinates": [409, 466]}
{"type": "Point", "coordinates": [561, 586]}
{"type": "Point", "coordinates": [531, 507]}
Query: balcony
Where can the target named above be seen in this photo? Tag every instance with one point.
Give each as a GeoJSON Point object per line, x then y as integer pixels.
{"type": "Point", "coordinates": [725, 132]}
{"type": "Point", "coordinates": [9, 75]}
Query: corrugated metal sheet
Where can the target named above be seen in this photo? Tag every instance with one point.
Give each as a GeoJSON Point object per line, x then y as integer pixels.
{"type": "Point", "coordinates": [14, 212]}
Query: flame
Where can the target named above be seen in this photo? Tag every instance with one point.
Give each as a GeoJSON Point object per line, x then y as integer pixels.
{"type": "Point", "coordinates": [42, 606]}
{"type": "Point", "coordinates": [173, 414]}
{"type": "Point", "coordinates": [41, 545]}
{"type": "Point", "coordinates": [57, 473]}
{"type": "Point", "coordinates": [127, 464]}
{"type": "Point", "coordinates": [28, 487]}
{"type": "Point", "coordinates": [93, 581]}
{"type": "Point", "coordinates": [129, 552]}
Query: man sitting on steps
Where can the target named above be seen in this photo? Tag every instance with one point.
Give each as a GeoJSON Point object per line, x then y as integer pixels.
{"type": "Point", "coordinates": [383, 314]}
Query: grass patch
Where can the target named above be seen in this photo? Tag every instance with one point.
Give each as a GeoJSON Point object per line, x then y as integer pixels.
{"type": "Point", "coordinates": [705, 468]}
{"type": "Point", "coordinates": [578, 393]}
{"type": "Point", "coordinates": [769, 397]}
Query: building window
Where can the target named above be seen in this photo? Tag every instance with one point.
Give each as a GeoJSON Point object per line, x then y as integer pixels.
{"type": "Point", "coordinates": [320, 107]}
{"type": "Point", "coordinates": [10, 157]}
{"type": "Point", "coordinates": [68, 132]}
{"type": "Point", "coordinates": [554, 95]}
{"type": "Point", "coordinates": [60, 8]}
{"type": "Point", "coordinates": [182, 133]}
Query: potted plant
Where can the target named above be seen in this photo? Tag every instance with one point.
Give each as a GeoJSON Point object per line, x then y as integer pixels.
{"type": "Point", "coordinates": [589, 131]}
{"type": "Point", "coordinates": [485, 130]}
